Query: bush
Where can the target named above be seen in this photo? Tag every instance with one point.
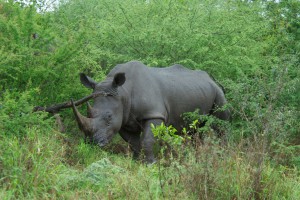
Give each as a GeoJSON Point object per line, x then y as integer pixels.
{"type": "Point", "coordinates": [30, 149]}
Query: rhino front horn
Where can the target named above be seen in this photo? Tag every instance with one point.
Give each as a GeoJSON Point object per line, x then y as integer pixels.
{"type": "Point", "coordinates": [85, 124]}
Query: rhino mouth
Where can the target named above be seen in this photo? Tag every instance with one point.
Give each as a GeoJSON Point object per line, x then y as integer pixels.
{"type": "Point", "coordinates": [101, 139]}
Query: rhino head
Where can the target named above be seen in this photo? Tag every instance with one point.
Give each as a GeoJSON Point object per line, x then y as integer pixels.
{"type": "Point", "coordinates": [105, 118]}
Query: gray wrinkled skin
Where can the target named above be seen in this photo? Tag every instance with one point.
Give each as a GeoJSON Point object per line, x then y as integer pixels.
{"type": "Point", "coordinates": [139, 95]}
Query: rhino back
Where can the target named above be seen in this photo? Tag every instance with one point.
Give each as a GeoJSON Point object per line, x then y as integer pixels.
{"type": "Point", "coordinates": [185, 90]}
{"type": "Point", "coordinates": [166, 93]}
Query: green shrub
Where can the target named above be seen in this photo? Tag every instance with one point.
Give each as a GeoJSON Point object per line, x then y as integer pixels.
{"type": "Point", "coordinates": [30, 149]}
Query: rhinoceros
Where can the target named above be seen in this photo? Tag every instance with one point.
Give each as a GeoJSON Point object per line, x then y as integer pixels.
{"type": "Point", "coordinates": [134, 96]}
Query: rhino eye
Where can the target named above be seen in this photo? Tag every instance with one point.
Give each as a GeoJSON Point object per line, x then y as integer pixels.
{"type": "Point", "coordinates": [107, 118]}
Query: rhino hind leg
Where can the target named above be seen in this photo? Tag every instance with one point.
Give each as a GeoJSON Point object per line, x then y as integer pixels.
{"type": "Point", "coordinates": [223, 115]}
{"type": "Point", "coordinates": [220, 112]}
{"type": "Point", "coordinates": [218, 109]}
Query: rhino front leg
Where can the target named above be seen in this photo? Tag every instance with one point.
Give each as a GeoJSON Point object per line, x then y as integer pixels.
{"type": "Point", "coordinates": [148, 140]}
{"type": "Point", "coordinates": [134, 141]}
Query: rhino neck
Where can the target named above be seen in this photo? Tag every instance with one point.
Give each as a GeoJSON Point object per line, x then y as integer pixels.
{"type": "Point", "coordinates": [126, 101]}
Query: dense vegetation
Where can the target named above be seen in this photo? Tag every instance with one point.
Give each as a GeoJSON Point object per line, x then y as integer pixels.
{"type": "Point", "coordinates": [251, 47]}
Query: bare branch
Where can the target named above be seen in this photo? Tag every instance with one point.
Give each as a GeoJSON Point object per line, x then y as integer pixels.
{"type": "Point", "coordinates": [57, 107]}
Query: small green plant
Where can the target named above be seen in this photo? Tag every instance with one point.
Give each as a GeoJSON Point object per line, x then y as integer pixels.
{"type": "Point", "coordinates": [170, 142]}
{"type": "Point", "coordinates": [167, 134]}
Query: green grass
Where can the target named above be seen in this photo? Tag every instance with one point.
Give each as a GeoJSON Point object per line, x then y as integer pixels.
{"type": "Point", "coordinates": [50, 165]}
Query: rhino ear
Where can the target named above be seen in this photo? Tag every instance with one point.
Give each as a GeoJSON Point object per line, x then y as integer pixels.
{"type": "Point", "coordinates": [87, 81]}
{"type": "Point", "coordinates": [119, 79]}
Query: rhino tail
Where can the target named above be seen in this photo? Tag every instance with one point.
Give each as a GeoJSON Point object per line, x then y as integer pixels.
{"type": "Point", "coordinates": [218, 83]}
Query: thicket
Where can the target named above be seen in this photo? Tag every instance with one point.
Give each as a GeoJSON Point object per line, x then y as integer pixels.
{"type": "Point", "coordinates": [250, 47]}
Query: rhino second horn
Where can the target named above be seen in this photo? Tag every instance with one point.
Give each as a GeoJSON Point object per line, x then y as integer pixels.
{"type": "Point", "coordinates": [90, 110]}
{"type": "Point", "coordinates": [84, 123]}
